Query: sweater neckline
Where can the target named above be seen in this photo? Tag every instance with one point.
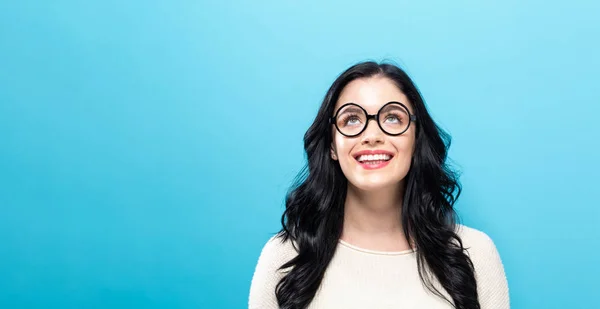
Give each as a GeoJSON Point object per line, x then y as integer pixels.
{"type": "Point", "coordinates": [376, 252]}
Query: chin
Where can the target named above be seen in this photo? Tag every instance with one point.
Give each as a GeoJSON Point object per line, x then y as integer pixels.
{"type": "Point", "coordinates": [366, 185]}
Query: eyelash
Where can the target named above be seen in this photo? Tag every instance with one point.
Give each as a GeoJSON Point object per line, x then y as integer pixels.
{"type": "Point", "coordinates": [348, 117]}
{"type": "Point", "coordinates": [399, 118]}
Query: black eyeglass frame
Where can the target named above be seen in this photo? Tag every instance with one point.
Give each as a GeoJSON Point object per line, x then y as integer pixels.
{"type": "Point", "coordinates": [413, 118]}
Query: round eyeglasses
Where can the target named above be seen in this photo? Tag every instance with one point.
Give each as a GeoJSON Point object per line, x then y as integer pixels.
{"type": "Point", "coordinates": [393, 118]}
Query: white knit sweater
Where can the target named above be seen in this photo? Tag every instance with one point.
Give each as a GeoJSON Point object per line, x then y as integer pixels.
{"type": "Point", "coordinates": [361, 278]}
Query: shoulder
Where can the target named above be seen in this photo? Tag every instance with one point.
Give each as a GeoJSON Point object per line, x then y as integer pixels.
{"type": "Point", "coordinates": [480, 247]}
{"type": "Point", "coordinates": [492, 284]}
{"type": "Point", "coordinates": [474, 239]}
{"type": "Point", "coordinates": [277, 251]}
{"type": "Point", "coordinates": [267, 273]}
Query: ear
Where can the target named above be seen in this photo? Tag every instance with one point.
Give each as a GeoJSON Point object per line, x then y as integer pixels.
{"type": "Point", "coordinates": [333, 153]}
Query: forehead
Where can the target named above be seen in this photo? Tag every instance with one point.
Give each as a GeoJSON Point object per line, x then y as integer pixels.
{"type": "Point", "coordinates": [372, 93]}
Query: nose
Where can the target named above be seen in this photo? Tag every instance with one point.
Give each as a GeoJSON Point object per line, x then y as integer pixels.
{"type": "Point", "coordinates": [372, 134]}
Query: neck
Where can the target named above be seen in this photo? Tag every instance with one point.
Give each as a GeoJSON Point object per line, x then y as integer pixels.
{"type": "Point", "coordinates": [373, 218]}
{"type": "Point", "coordinates": [373, 212]}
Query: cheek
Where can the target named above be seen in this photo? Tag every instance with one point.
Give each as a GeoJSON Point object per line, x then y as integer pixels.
{"type": "Point", "coordinates": [401, 141]}
{"type": "Point", "coordinates": [343, 150]}
{"type": "Point", "coordinates": [405, 150]}
{"type": "Point", "coordinates": [405, 143]}
{"type": "Point", "coordinates": [405, 146]}
{"type": "Point", "coordinates": [342, 144]}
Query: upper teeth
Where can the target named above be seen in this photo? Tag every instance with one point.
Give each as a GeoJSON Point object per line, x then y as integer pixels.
{"type": "Point", "coordinates": [376, 157]}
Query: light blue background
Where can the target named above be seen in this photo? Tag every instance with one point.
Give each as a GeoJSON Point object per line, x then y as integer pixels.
{"type": "Point", "coordinates": [146, 147]}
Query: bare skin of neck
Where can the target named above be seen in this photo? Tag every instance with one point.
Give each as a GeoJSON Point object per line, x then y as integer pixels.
{"type": "Point", "coordinates": [372, 219]}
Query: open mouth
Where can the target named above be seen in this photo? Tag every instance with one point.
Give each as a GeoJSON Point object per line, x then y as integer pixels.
{"type": "Point", "coordinates": [373, 160]}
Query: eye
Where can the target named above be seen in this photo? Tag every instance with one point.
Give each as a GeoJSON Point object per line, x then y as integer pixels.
{"type": "Point", "coordinates": [393, 118]}
{"type": "Point", "coordinates": [351, 119]}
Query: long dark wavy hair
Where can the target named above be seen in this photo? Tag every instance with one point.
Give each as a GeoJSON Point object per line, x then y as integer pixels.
{"type": "Point", "coordinates": [314, 213]}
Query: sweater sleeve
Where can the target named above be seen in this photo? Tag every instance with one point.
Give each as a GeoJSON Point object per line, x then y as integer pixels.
{"type": "Point", "coordinates": [492, 285]}
{"type": "Point", "coordinates": [267, 274]}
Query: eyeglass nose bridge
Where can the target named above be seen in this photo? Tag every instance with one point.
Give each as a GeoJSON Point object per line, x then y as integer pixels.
{"type": "Point", "coordinates": [374, 117]}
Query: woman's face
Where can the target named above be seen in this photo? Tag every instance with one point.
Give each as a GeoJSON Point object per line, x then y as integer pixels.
{"type": "Point", "coordinates": [369, 173]}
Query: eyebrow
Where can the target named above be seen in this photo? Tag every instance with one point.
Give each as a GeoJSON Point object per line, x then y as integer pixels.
{"type": "Point", "coordinates": [352, 109]}
{"type": "Point", "coordinates": [396, 108]}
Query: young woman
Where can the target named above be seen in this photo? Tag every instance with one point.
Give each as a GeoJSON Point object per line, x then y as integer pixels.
{"type": "Point", "coordinates": [370, 222]}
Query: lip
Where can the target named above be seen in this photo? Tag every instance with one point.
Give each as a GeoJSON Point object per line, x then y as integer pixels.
{"type": "Point", "coordinates": [374, 166]}
{"type": "Point", "coordinates": [373, 152]}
